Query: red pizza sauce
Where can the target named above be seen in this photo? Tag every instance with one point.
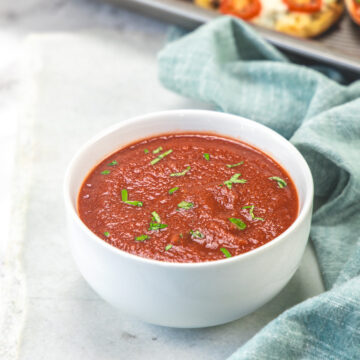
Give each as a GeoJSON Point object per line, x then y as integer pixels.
{"type": "Point", "coordinates": [190, 197]}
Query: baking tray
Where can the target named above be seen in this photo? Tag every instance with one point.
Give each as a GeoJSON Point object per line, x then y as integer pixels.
{"type": "Point", "coordinates": [339, 47]}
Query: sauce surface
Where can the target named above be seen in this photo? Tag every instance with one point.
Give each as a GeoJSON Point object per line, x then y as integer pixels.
{"type": "Point", "coordinates": [188, 198]}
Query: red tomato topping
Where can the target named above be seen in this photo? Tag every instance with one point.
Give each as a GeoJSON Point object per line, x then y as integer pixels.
{"type": "Point", "coordinates": [244, 9]}
{"type": "Point", "coordinates": [356, 11]}
{"type": "Point", "coordinates": [308, 6]}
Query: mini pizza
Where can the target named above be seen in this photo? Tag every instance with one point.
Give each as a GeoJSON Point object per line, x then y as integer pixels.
{"type": "Point", "coordinates": [303, 18]}
{"type": "Point", "coordinates": [353, 7]}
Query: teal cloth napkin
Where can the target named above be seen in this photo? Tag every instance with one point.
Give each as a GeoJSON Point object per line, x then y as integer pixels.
{"type": "Point", "coordinates": [228, 65]}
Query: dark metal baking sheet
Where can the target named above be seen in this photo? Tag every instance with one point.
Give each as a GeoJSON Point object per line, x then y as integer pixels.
{"type": "Point", "coordinates": [339, 47]}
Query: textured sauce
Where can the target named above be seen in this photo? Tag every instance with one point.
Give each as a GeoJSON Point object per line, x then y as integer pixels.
{"type": "Point", "coordinates": [188, 198]}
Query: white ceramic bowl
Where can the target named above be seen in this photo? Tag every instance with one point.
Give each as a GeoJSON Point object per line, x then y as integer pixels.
{"type": "Point", "coordinates": [188, 294]}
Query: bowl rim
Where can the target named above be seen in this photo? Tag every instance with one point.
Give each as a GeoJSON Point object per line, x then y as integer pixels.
{"type": "Point", "coordinates": [301, 162]}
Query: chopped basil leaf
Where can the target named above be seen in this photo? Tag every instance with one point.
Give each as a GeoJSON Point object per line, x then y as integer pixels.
{"type": "Point", "coordinates": [251, 212]}
{"type": "Point", "coordinates": [226, 252]}
{"type": "Point", "coordinates": [171, 191]}
{"type": "Point", "coordinates": [134, 203]}
{"type": "Point", "coordinates": [106, 233]}
{"type": "Point", "coordinates": [281, 183]}
{"type": "Point", "coordinates": [196, 234]}
{"type": "Point", "coordinates": [105, 172]}
{"type": "Point", "coordinates": [181, 173]}
{"type": "Point", "coordinates": [124, 195]}
{"type": "Point", "coordinates": [234, 180]}
{"type": "Point", "coordinates": [113, 163]}
{"type": "Point", "coordinates": [156, 217]}
{"type": "Point", "coordinates": [168, 247]}
{"type": "Point", "coordinates": [181, 235]}
{"type": "Point", "coordinates": [238, 222]}
{"type": "Point", "coordinates": [161, 156]}
{"type": "Point", "coordinates": [141, 238]}
{"type": "Point", "coordinates": [185, 205]}
{"type": "Point", "coordinates": [207, 156]}
{"type": "Point", "coordinates": [156, 151]}
{"type": "Point", "coordinates": [156, 222]}
{"type": "Point", "coordinates": [233, 165]}
{"type": "Point", "coordinates": [157, 226]}
{"type": "Point", "coordinates": [146, 151]}
{"type": "Point", "coordinates": [124, 198]}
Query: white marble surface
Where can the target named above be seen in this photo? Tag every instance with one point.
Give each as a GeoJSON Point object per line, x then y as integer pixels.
{"type": "Point", "coordinates": [87, 81]}
{"type": "Point", "coordinates": [8, 126]}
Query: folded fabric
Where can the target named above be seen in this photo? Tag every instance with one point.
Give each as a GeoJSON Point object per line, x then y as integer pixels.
{"type": "Point", "coordinates": [228, 65]}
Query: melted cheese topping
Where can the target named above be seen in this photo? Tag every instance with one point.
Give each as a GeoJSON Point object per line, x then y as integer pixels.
{"type": "Point", "coordinates": [271, 10]}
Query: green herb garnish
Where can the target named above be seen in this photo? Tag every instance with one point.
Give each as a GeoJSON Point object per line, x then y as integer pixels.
{"type": "Point", "coordinates": [146, 151]}
{"type": "Point", "coordinates": [106, 233]}
{"type": "Point", "coordinates": [168, 247]}
{"type": "Point", "coordinates": [234, 165]}
{"type": "Point", "coordinates": [156, 217]}
{"type": "Point", "coordinates": [251, 212]}
{"type": "Point", "coordinates": [185, 205]}
{"type": "Point", "coordinates": [105, 172]}
{"type": "Point", "coordinates": [226, 252]}
{"type": "Point", "coordinates": [156, 151]}
{"type": "Point", "coordinates": [196, 234]}
{"type": "Point", "coordinates": [113, 163]}
{"type": "Point", "coordinates": [134, 203]}
{"type": "Point", "coordinates": [141, 238]}
{"type": "Point", "coordinates": [156, 222]}
{"type": "Point", "coordinates": [207, 156]}
{"type": "Point", "coordinates": [234, 180]}
{"type": "Point", "coordinates": [181, 173]}
{"type": "Point", "coordinates": [171, 191]}
{"type": "Point", "coordinates": [281, 183]}
{"type": "Point", "coordinates": [181, 235]}
{"type": "Point", "coordinates": [124, 198]}
{"type": "Point", "coordinates": [238, 222]}
{"type": "Point", "coordinates": [157, 226]}
{"type": "Point", "coordinates": [161, 156]}
{"type": "Point", "coordinates": [124, 195]}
